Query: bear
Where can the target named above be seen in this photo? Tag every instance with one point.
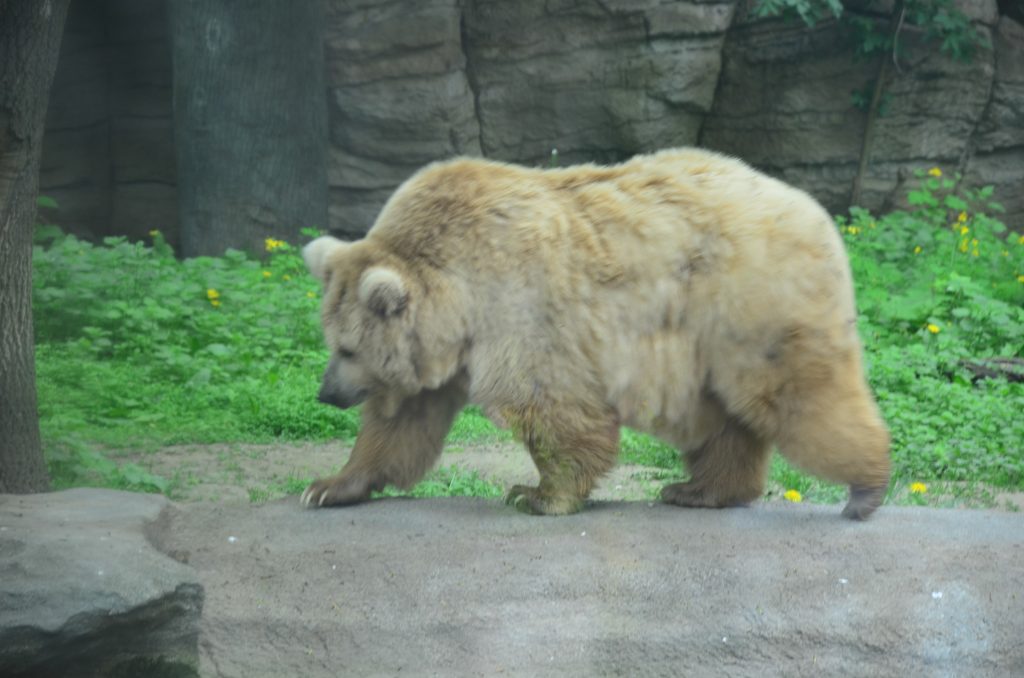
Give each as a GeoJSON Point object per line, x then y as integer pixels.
{"type": "Point", "coordinates": [680, 293]}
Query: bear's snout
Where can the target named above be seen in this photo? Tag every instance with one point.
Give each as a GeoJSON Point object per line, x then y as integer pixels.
{"type": "Point", "coordinates": [341, 400]}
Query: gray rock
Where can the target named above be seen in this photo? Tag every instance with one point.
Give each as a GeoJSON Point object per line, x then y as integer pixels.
{"type": "Point", "coordinates": [398, 98]}
{"type": "Point", "coordinates": [597, 81]}
{"type": "Point", "coordinates": [450, 587]}
{"type": "Point", "coordinates": [784, 103]}
{"type": "Point", "coordinates": [83, 592]}
{"type": "Point", "coordinates": [998, 157]}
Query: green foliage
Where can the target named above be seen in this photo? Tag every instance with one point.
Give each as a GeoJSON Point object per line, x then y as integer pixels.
{"type": "Point", "coordinates": [76, 465]}
{"type": "Point", "coordinates": [939, 287]}
{"type": "Point", "coordinates": [640, 448]}
{"type": "Point", "coordinates": [449, 481]}
{"type": "Point", "coordinates": [810, 11]}
{"type": "Point", "coordinates": [946, 24]}
{"type": "Point", "coordinates": [861, 99]}
{"type": "Point", "coordinates": [135, 347]}
{"type": "Point", "coordinates": [946, 272]}
{"type": "Point", "coordinates": [941, 20]}
{"type": "Point", "coordinates": [473, 427]}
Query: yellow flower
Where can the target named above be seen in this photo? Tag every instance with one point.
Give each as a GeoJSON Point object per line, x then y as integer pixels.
{"type": "Point", "coordinates": [215, 303]}
{"type": "Point", "coordinates": [311, 294]}
{"type": "Point", "coordinates": [286, 277]}
{"type": "Point", "coordinates": [964, 230]}
{"type": "Point", "coordinates": [963, 245]}
{"type": "Point", "coordinates": [962, 218]}
{"type": "Point", "coordinates": [933, 328]}
{"type": "Point", "coordinates": [917, 250]}
{"type": "Point", "coordinates": [1020, 279]}
{"type": "Point", "coordinates": [935, 172]}
{"type": "Point", "coordinates": [212, 294]}
{"type": "Point", "coordinates": [273, 244]}
{"type": "Point", "coordinates": [918, 488]}
{"type": "Point", "coordinates": [154, 233]}
{"type": "Point", "coordinates": [853, 230]}
{"type": "Point", "coordinates": [974, 241]}
{"type": "Point", "coordinates": [974, 253]}
{"type": "Point", "coordinates": [793, 496]}
{"type": "Point", "coordinates": [1020, 240]}
{"type": "Point", "coordinates": [267, 274]}
{"type": "Point", "coordinates": [1006, 253]}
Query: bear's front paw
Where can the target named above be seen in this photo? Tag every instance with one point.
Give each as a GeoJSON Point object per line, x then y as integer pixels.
{"type": "Point", "coordinates": [531, 500]}
{"type": "Point", "coordinates": [335, 491]}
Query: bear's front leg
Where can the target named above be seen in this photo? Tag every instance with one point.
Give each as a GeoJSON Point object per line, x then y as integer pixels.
{"type": "Point", "coordinates": [570, 462]}
{"type": "Point", "coordinates": [392, 450]}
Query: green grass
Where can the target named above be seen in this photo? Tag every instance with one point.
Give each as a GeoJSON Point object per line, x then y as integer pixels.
{"type": "Point", "coordinates": [445, 481]}
{"type": "Point", "coordinates": [138, 350]}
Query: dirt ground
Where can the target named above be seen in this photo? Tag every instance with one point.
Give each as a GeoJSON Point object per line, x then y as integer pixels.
{"type": "Point", "coordinates": [244, 472]}
{"type": "Point", "coordinates": [258, 473]}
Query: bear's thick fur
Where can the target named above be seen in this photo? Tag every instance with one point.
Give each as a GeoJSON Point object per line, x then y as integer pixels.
{"type": "Point", "coordinates": [681, 293]}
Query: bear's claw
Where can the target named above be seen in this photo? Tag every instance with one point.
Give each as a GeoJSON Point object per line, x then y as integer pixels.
{"type": "Point", "coordinates": [334, 491]}
{"type": "Point", "coordinates": [534, 502]}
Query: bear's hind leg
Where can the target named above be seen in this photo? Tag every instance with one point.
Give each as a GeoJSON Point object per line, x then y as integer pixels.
{"type": "Point", "coordinates": [729, 469]}
{"type": "Point", "coordinates": [570, 462]}
{"type": "Point", "coordinates": [840, 436]}
{"type": "Point", "coordinates": [397, 449]}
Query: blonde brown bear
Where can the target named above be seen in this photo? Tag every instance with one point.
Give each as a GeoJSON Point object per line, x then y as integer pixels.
{"type": "Point", "coordinates": [682, 293]}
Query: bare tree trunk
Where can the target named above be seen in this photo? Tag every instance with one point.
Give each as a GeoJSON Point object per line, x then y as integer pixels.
{"type": "Point", "coordinates": [250, 121]}
{"type": "Point", "coordinates": [30, 32]}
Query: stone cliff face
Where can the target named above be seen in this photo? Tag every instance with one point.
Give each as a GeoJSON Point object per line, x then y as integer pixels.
{"type": "Point", "coordinates": [108, 150]}
{"type": "Point", "coordinates": [600, 80]}
{"type": "Point", "coordinates": [784, 104]}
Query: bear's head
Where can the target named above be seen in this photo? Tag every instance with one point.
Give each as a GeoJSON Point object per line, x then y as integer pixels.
{"type": "Point", "coordinates": [370, 307]}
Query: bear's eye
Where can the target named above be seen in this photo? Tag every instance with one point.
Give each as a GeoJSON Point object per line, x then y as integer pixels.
{"type": "Point", "coordinates": [346, 354]}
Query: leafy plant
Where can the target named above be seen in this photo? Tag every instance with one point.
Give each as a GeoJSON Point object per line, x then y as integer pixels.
{"type": "Point", "coordinates": [941, 287]}
{"type": "Point", "coordinates": [941, 20]}
{"type": "Point", "coordinates": [135, 347]}
{"type": "Point", "coordinates": [809, 11]}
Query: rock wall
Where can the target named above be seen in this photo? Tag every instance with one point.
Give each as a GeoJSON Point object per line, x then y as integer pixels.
{"type": "Point", "coordinates": [784, 104]}
{"type": "Point", "coordinates": [599, 80]}
{"type": "Point", "coordinates": [108, 150]}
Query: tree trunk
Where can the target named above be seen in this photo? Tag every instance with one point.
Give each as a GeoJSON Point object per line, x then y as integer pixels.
{"type": "Point", "coordinates": [30, 32]}
{"type": "Point", "coordinates": [250, 119]}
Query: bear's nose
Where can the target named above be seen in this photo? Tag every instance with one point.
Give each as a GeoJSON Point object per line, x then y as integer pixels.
{"type": "Point", "coordinates": [328, 397]}
{"type": "Point", "coordinates": [342, 401]}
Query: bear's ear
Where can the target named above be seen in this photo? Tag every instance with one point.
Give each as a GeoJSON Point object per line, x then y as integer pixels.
{"type": "Point", "coordinates": [383, 291]}
{"type": "Point", "coordinates": [316, 254]}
